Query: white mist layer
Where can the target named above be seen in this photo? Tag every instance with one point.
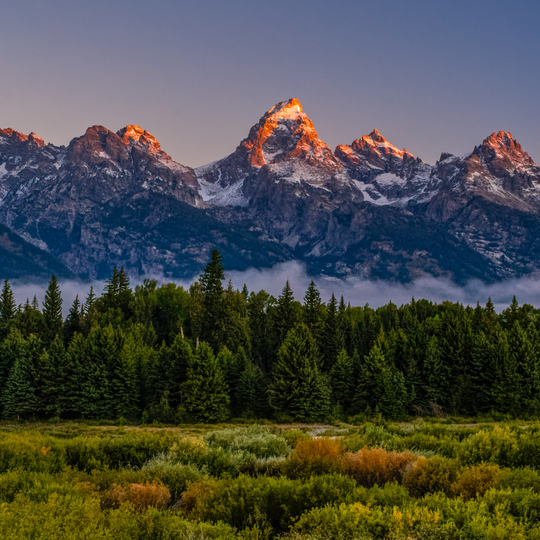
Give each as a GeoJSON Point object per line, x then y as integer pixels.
{"type": "Point", "coordinates": [356, 291]}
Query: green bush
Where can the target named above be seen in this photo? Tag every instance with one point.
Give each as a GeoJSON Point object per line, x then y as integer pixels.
{"type": "Point", "coordinates": [255, 440]}
{"type": "Point", "coordinates": [525, 478]}
{"type": "Point", "coordinates": [476, 480]}
{"type": "Point", "coordinates": [246, 501]}
{"type": "Point", "coordinates": [497, 446]}
{"type": "Point", "coordinates": [31, 451]}
{"type": "Point", "coordinates": [431, 476]}
{"type": "Point", "coordinates": [130, 450]}
{"type": "Point", "coordinates": [176, 476]}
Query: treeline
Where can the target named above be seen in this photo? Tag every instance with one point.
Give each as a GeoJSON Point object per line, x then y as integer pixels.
{"type": "Point", "coordinates": [166, 354]}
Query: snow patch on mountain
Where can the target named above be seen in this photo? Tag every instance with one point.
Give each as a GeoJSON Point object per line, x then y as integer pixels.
{"type": "Point", "coordinates": [215, 195]}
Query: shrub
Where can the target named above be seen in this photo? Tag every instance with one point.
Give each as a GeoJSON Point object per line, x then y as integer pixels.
{"type": "Point", "coordinates": [497, 446]}
{"type": "Point", "coordinates": [376, 466]}
{"type": "Point", "coordinates": [431, 476]}
{"type": "Point", "coordinates": [525, 478]}
{"type": "Point", "coordinates": [36, 486]}
{"type": "Point", "coordinates": [175, 476]}
{"type": "Point", "coordinates": [357, 520]}
{"type": "Point", "coordinates": [139, 496]}
{"type": "Point", "coordinates": [130, 450]}
{"type": "Point", "coordinates": [246, 501]}
{"type": "Point", "coordinates": [292, 436]}
{"type": "Point", "coordinates": [30, 451]}
{"type": "Point", "coordinates": [256, 440]}
{"type": "Point", "coordinates": [476, 480]}
{"type": "Point", "coordinates": [314, 457]}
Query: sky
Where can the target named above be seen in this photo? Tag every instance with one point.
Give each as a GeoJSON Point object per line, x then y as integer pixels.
{"type": "Point", "coordinates": [431, 76]}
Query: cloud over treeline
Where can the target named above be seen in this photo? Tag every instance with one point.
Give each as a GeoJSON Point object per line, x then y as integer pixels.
{"type": "Point", "coordinates": [356, 291]}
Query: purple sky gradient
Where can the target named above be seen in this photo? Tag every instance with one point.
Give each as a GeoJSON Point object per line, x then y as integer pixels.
{"type": "Point", "coordinates": [431, 76]}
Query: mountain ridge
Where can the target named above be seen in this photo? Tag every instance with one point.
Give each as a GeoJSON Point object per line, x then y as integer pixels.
{"type": "Point", "coordinates": [117, 198]}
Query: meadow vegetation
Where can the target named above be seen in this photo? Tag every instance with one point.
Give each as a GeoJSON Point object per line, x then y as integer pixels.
{"type": "Point", "coordinates": [378, 480]}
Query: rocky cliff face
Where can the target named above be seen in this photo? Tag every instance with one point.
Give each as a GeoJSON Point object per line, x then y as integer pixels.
{"type": "Point", "coordinates": [367, 209]}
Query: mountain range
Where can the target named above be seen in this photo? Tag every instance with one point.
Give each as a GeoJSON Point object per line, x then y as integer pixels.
{"type": "Point", "coordinates": [366, 209]}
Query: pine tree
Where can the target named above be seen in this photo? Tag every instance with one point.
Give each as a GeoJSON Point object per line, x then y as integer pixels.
{"type": "Point", "coordinates": [523, 357]}
{"type": "Point", "coordinates": [52, 311]}
{"type": "Point", "coordinates": [111, 290]}
{"type": "Point", "coordinates": [124, 387]}
{"type": "Point", "coordinates": [251, 392]}
{"type": "Point", "coordinates": [345, 327]}
{"type": "Point", "coordinates": [259, 328]}
{"type": "Point", "coordinates": [30, 319]}
{"type": "Point", "coordinates": [313, 311]}
{"type": "Point", "coordinates": [284, 317]}
{"type": "Point", "coordinates": [299, 390]}
{"type": "Point", "coordinates": [506, 384]}
{"type": "Point", "coordinates": [245, 292]}
{"type": "Point", "coordinates": [8, 309]}
{"type": "Point", "coordinates": [20, 398]}
{"type": "Point", "coordinates": [433, 377]}
{"type": "Point", "coordinates": [53, 378]}
{"type": "Point", "coordinates": [342, 381]}
{"type": "Point", "coordinates": [125, 294]}
{"type": "Point", "coordinates": [73, 321]}
{"type": "Point", "coordinates": [76, 386]}
{"type": "Point", "coordinates": [13, 347]}
{"type": "Point", "coordinates": [331, 341]}
{"type": "Point", "coordinates": [213, 302]}
{"type": "Point", "coordinates": [205, 392]}
{"type": "Point", "coordinates": [381, 385]}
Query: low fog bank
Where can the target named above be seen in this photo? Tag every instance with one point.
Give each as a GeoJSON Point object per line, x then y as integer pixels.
{"type": "Point", "coordinates": [356, 291]}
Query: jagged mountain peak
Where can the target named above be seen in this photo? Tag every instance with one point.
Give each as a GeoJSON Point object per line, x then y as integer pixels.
{"type": "Point", "coordinates": [285, 132]}
{"type": "Point", "coordinates": [288, 110]}
{"type": "Point", "coordinates": [284, 140]}
{"type": "Point", "coordinates": [503, 146]}
{"type": "Point", "coordinates": [18, 137]}
{"type": "Point", "coordinates": [133, 134]}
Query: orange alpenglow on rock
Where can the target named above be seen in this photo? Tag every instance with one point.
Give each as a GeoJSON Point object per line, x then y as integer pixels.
{"type": "Point", "coordinates": [285, 131]}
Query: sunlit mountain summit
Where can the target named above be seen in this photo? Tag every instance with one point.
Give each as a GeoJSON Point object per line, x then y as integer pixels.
{"type": "Point", "coordinates": [367, 208]}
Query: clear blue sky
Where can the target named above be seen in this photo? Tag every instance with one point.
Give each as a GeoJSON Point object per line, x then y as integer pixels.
{"type": "Point", "coordinates": [431, 75]}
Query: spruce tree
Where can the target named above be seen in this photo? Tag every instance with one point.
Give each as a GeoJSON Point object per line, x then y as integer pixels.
{"type": "Point", "coordinates": [506, 387]}
{"type": "Point", "coordinates": [345, 327]}
{"type": "Point", "coordinates": [313, 311]}
{"type": "Point", "coordinates": [72, 323]}
{"type": "Point", "coordinates": [110, 293]}
{"type": "Point", "coordinates": [12, 348]}
{"type": "Point", "coordinates": [259, 328]}
{"type": "Point", "coordinates": [342, 381]}
{"type": "Point", "coordinates": [124, 297]}
{"type": "Point", "coordinates": [251, 393]}
{"type": "Point", "coordinates": [124, 385]}
{"type": "Point", "coordinates": [53, 378]}
{"type": "Point", "coordinates": [381, 385]}
{"type": "Point", "coordinates": [52, 311]}
{"type": "Point", "coordinates": [331, 341]}
{"type": "Point", "coordinates": [433, 378]}
{"type": "Point", "coordinates": [20, 398]}
{"type": "Point", "coordinates": [284, 316]}
{"type": "Point", "coordinates": [30, 319]}
{"type": "Point", "coordinates": [299, 391]}
{"type": "Point", "coordinates": [213, 303]}
{"type": "Point", "coordinates": [205, 392]}
{"type": "Point", "coordinates": [8, 309]}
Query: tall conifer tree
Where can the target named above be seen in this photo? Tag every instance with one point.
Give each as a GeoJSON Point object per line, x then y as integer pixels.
{"type": "Point", "coordinates": [52, 311]}
{"type": "Point", "coordinates": [205, 392]}
{"type": "Point", "coordinates": [299, 390]}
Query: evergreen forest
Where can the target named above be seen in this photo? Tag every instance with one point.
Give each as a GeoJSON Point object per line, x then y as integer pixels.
{"type": "Point", "coordinates": [160, 353]}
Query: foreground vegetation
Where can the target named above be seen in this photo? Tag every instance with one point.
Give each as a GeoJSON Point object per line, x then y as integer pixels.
{"type": "Point", "coordinates": [422, 480]}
